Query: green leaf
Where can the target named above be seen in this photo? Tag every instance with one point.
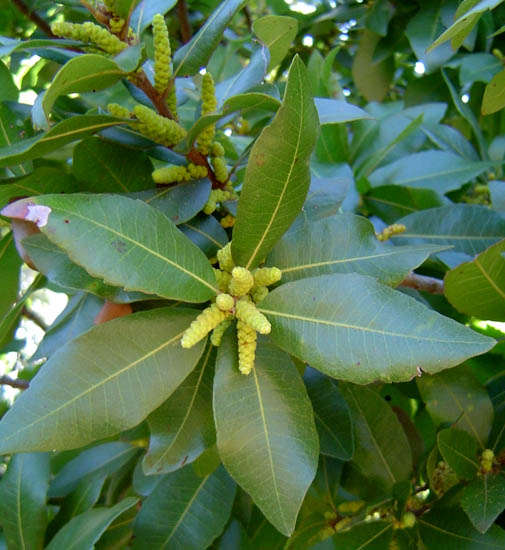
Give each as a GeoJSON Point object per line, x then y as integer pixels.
{"type": "Point", "coordinates": [83, 531]}
{"type": "Point", "coordinates": [351, 327]}
{"type": "Point", "coordinates": [332, 416]}
{"type": "Point", "coordinates": [455, 396]}
{"type": "Point", "coordinates": [105, 167]}
{"type": "Point", "coordinates": [8, 90]}
{"type": "Point", "coordinates": [195, 54]}
{"type": "Point", "coordinates": [382, 452]}
{"type": "Point", "coordinates": [469, 228]}
{"type": "Point", "coordinates": [185, 511]}
{"type": "Point", "coordinates": [145, 10]}
{"type": "Point", "coordinates": [183, 427]}
{"type": "Point", "coordinates": [440, 171]}
{"type": "Point", "coordinates": [265, 430]}
{"type": "Point", "coordinates": [277, 176]}
{"type": "Point", "coordinates": [344, 243]}
{"type": "Point", "coordinates": [277, 32]}
{"type": "Point", "coordinates": [106, 458]}
{"type": "Point", "coordinates": [484, 500]}
{"type": "Point", "coordinates": [478, 287]}
{"type": "Point", "coordinates": [10, 266]}
{"type": "Point", "coordinates": [126, 368]}
{"type": "Point", "coordinates": [66, 131]}
{"type": "Point", "coordinates": [85, 73]}
{"type": "Point", "coordinates": [23, 500]}
{"type": "Point", "coordinates": [308, 533]}
{"type": "Point", "coordinates": [125, 242]}
{"type": "Point", "coordinates": [8, 45]}
{"type": "Point", "coordinates": [336, 111]}
{"type": "Point", "coordinates": [494, 97]}
{"type": "Point", "coordinates": [375, 535]}
{"type": "Point", "coordinates": [450, 529]}
{"type": "Point", "coordinates": [478, 67]}
{"type": "Point", "coordinates": [460, 450]}
{"type": "Point", "coordinates": [206, 232]}
{"type": "Point", "coordinates": [12, 130]}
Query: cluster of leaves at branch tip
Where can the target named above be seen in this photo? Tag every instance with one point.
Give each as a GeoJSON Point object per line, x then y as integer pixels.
{"type": "Point", "coordinates": [89, 33]}
{"type": "Point", "coordinates": [391, 231]}
{"type": "Point", "coordinates": [240, 290]}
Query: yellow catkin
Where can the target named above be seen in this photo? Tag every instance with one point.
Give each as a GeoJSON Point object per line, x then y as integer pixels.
{"type": "Point", "coordinates": [390, 231]}
{"type": "Point", "coordinates": [486, 460]}
{"type": "Point", "coordinates": [225, 302]}
{"type": "Point", "coordinates": [217, 149]}
{"type": "Point", "coordinates": [118, 110]}
{"type": "Point", "coordinates": [90, 33]}
{"type": "Point", "coordinates": [259, 293]}
{"type": "Point", "coordinates": [209, 105]}
{"type": "Point", "coordinates": [169, 174]}
{"type": "Point", "coordinates": [197, 172]}
{"type": "Point", "coordinates": [246, 337]}
{"type": "Point", "coordinates": [246, 311]}
{"type": "Point", "coordinates": [350, 507]}
{"type": "Point", "coordinates": [158, 128]}
{"type": "Point", "coordinates": [241, 281]}
{"type": "Point", "coordinates": [218, 333]}
{"type": "Point", "coordinates": [225, 258]}
{"type": "Point", "coordinates": [218, 196]}
{"type": "Point", "coordinates": [220, 169]}
{"type": "Point", "coordinates": [162, 54]}
{"type": "Point", "coordinates": [228, 221]}
{"type": "Point", "coordinates": [266, 276]}
{"type": "Point", "coordinates": [116, 24]}
{"type": "Point", "coordinates": [208, 320]}
{"type": "Point", "coordinates": [408, 520]}
{"type": "Point", "coordinates": [223, 279]}
{"type": "Point", "coordinates": [171, 101]}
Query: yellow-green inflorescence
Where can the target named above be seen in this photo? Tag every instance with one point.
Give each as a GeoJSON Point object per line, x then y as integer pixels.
{"type": "Point", "coordinates": [90, 33]}
{"type": "Point", "coordinates": [209, 105]}
{"type": "Point", "coordinates": [173, 173]}
{"type": "Point", "coordinates": [390, 231]}
{"type": "Point", "coordinates": [238, 295]}
{"type": "Point", "coordinates": [162, 54]}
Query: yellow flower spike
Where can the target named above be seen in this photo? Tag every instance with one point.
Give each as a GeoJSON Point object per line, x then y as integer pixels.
{"type": "Point", "coordinates": [197, 172]}
{"type": "Point", "coordinates": [259, 293]}
{"type": "Point", "coordinates": [223, 279]}
{"type": "Point", "coordinates": [227, 221]}
{"type": "Point", "coordinates": [241, 281]}
{"type": "Point", "coordinates": [266, 276]}
{"type": "Point", "coordinates": [158, 128]}
{"type": "Point", "coordinates": [220, 169]}
{"type": "Point", "coordinates": [210, 205]}
{"type": "Point", "coordinates": [118, 110]}
{"type": "Point", "coordinates": [209, 105]}
{"type": "Point", "coordinates": [390, 231]}
{"type": "Point", "coordinates": [116, 24]}
{"type": "Point", "coordinates": [162, 54]}
{"type": "Point", "coordinates": [90, 33]}
{"type": "Point", "coordinates": [246, 311]}
{"type": "Point", "coordinates": [171, 173]}
{"type": "Point", "coordinates": [486, 460]}
{"type": "Point", "coordinates": [217, 149]}
{"type": "Point", "coordinates": [246, 337]}
{"type": "Point", "coordinates": [225, 302]}
{"type": "Point", "coordinates": [172, 102]}
{"type": "Point", "coordinates": [225, 258]}
{"type": "Point", "coordinates": [408, 520]}
{"type": "Point", "coordinates": [202, 325]}
{"type": "Point", "coordinates": [218, 333]}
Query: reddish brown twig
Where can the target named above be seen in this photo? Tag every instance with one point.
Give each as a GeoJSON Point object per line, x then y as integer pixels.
{"type": "Point", "coordinates": [17, 383]}
{"type": "Point", "coordinates": [422, 282]}
{"type": "Point", "coordinates": [34, 17]}
{"type": "Point", "coordinates": [182, 13]}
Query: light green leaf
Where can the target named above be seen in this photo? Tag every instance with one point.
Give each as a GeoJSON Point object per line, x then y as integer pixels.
{"type": "Point", "coordinates": [455, 396]}
{"type": "Point", "coordinates": [344, 243]}
{"type": "Point", "coordinates": [478, 287]}
{"type": "Point", "coordinates": [8, 90]}
{"type": "Point", "coordinates": [375, 535]}
{"type": "Point", "coordinates": [484, 500]}
{"type": "Point", "coordinates": [460, 450]}
{"type": "Point", "coordinates": [206, 232]}
{"type": "Point", "coordinates": [10, 266]}
{"type": "Point", "coordinates": [336, 111]}
{"type": "Point", "coordinates": [125, 369]}
{"type": "Point", "coordinates": [353, 328]}
{"type": "Point", "coordinates": [85, 73]}
{"type": "Point", "coordinates": [277, 176]}
{"type": "Point", "coordinates": [185, 511]}
{"type": "Point", "coordinates": [469, 228]}
{"type": "Point", "coordinates": [265, 430]}
{"type": "Point", "coordinates": [123, 241]}
{"type": "Point", "coordinates": [8, 45]}
{"type": "Point", "coordinates": [83, 531]}
{"type": "Point", "coordinates": [145, 10]}
{"type": "Point", "coordinates": [494, 96]}
{"type": "Point", "coordinates": [277, 32]}
{"type": "Point", "coordinates": [192, 56]}
{"type": "Point", "coordinates": [66, 131]}
{"type": "Point", "coordinates": [23, 501]}
{"type": "Point", "coordinates": [183, 427]}
{"type": "Point", "coordinates": [382, 452]}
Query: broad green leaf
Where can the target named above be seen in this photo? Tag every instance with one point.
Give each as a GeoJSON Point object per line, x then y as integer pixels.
{"type": "Point", "coordinates": [144, 484]}
{"type": "Point", "coordinates": [277, 176]}
{"type": "Point", "coordinates": [469, 228]}
{"type": "Point", "coordinates": [382, 452]}
{"type": "Point", "coordinates": [307, 533]}
{"type": "Point", "coordinates": [8, 90]}
{"type": "Point", "coordinates": [125, 242]}
{"type": "Point", "coordinates": [478, 67]}
{"type": "Point", "coordinates": [353, 328]}
{"type": "Point", "coordinates": [106, 458]}
{"type": "Point", "coordinates": [183, 427]}
{"type": "Point", "coordinates": [460, 450]}
{"type": "Point", "coordinates": [206, 232]}
{"type": "Point", "coordinates": [478, 287]}
{"type": "Point", "coordinates": [43, 180]}
{"type": "Point", "coordinates": [9, 45]}
{"type": "Point", "coordinates": [85, 73]}
{"type": "Point", "coordinates": [66, 131]}
{"type": "Point", "coordinates": [126, 368]}
{"type": "Point", "coordinates": [450, 529]}
{"type": "Point", "coordinates": [82, 531]}
{"type": "Point", "coordinates": [375, 535]}
{"type": "Point", "coordinates": [494, 97]}
{"type": "Point", "coordinates": [277, 32]}
{"type": "Point", "coordinates": [344, 243]}
{"type": "Point", "coordinates": [449, 139]}
{"type": "Point", "coordinates": [266, 435]}
{"type": "Point", "coordinates": [484, 500]}
{"type": "Point", "coordinates": [185, 511]}
{"type": "Point", "coordinates": [192, 56]}
{"type": "Point", "coordinates": [336, 111]}
{"type": "Point", "coordinates": [234, 538]}
{"type": "Point", "coordinates": [12, 130]}
{"type": "Point", "coordinates": [145, 10]}
{"type": "Point", "coordinates": [455, 396]}
{"type": "Point", "coordinates": [10, 266]}
{"type": "Point", "coordinates": [105, 167]}
{"type": "Point", "coordinates": [23, 500]}
{"type": "Point", "coordinates": [440, 171]}
{"type": "Point", "coordinates": [332, 416]}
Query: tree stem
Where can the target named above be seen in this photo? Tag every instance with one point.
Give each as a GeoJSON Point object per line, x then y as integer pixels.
{"type": "Point", "coordinates": [14, 383]}
{"type": "Point", "coordinates": [34, 17]}
{"type": "Point", "coordinates": [182, 12]}
{"type": "Point", "coordinates": [422, 282]}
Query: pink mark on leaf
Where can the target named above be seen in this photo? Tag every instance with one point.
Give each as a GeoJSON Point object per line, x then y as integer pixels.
{"type": "Point", "coordinates": [29, 211]}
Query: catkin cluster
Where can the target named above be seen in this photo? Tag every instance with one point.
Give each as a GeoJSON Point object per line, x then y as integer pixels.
{"type": "Point", "coordinates": [91, 34]}
{"type": "Point", "coordinates": [239, 291]}
{"type": "Point", "coordinates": [391, 231]}
{"type": "Point", "coordinates": [162, 54]}
{"type": "Point", "coordinates": [173, 173]}
{"type": "Point", "coordinates": [217, 196]}
{"type": "Point", "coordinates": [209, 105]}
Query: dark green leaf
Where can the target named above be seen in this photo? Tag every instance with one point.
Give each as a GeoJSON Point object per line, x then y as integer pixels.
{"type": "Point", "coordinates": [12, 130]}
{"type": "Point", "coordinates": [375, 535]}
{"type": "Point", "coordinates": [336, 111]}
{"type": "Point", "coordinates": [8, 90]}
{"type": "Point", "coordinates": [484, 500]}
{"type": "Point", "coordinates": [145, 10]}
{"type": "Point", "coordinates": [460, 450]}
{"type": "Point", "coordinates": [206, 232]}
{"type": "Point", "coordinates": [10, 266]}
{"type": "Point", "coordinates": [265, 430]}
{"type": "Point", "coordinates": [126, 368]}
